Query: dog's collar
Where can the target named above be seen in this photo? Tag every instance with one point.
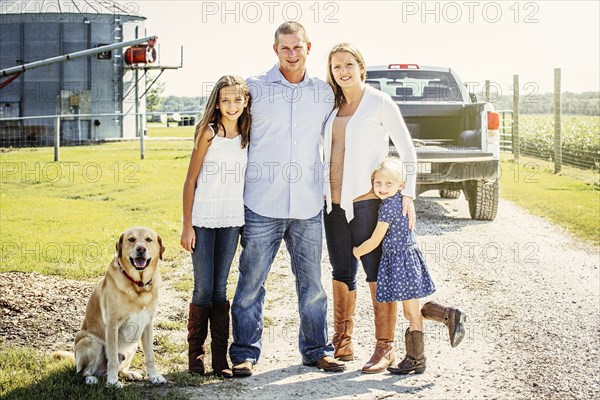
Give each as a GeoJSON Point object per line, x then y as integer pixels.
{"type": "Point", "coordinates": [137, 283]}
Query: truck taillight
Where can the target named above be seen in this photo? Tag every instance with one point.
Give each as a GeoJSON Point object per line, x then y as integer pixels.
{"type": "Point", "coordinates": [403, 66]}
{"type": "Point", "coordinates": [493, 121]}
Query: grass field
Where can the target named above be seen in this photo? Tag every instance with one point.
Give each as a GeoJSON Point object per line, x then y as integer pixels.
{"type": "Point", "coordinates": [64, 218]}
{"type": "Point", "coordinates": [157, 130]}
{"type": "Point", "coordinates": [570, 203]}
{"type": "Point", "coordinates": [28, 373]}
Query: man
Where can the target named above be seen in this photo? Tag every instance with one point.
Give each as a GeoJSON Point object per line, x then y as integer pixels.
{"type": "Point", "coordinates": [284, 198]}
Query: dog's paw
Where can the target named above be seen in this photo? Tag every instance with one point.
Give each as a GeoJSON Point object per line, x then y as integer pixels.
{"type": "Point", "coordinates": [131, 375]}
{"type": "Point", "coordinates": [116, 384]}
{"type": "Point", "coordinates": [91, 380]}
{"type": "Point", "coordinates": [157, 380]}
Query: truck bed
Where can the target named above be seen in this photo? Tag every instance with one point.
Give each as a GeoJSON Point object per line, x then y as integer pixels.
{"type": "Point", "coordinates": [442, 123]}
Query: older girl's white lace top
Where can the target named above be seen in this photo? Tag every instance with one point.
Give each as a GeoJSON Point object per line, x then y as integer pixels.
{"type": "Point", "coordinates": [219, 195]}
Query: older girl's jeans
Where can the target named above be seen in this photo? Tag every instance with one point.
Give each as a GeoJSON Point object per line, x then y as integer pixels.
{"type": "Point", "coordinates": [261, 239]}
{"type": "Point", "coordinates": [211, 258]}
{"type": "Point", "coordinates": [343, 236]}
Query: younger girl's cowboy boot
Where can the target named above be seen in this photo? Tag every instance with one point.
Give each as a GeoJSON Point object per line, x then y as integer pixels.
{"type": "Point", "coordinates": [452, 317]}
{"type": "Point", "coordinates": [414, 360]}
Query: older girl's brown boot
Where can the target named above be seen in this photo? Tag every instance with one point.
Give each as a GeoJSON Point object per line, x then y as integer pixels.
{"type": "Point", "coordinates": [197, 332]}
{"type": "Point", "coordinates": [219, 332]}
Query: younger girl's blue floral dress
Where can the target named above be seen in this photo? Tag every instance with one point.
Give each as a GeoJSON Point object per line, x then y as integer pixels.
{"type": "Point", "coordinates": [403, 274]}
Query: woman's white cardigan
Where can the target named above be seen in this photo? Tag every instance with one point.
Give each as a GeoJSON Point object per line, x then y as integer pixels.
{"type": "Point", "coordinates": [376, 119]}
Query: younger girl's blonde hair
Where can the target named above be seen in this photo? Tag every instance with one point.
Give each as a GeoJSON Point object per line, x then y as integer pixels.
{"type": "Point", "coordinates": [392, 168]}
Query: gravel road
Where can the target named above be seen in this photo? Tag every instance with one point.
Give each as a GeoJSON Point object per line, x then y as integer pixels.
{"type": "Point", "coordinates": [530, 290]}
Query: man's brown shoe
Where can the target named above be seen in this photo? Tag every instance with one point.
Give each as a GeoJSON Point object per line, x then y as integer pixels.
{"type": "Point", "coordinates": [329, 364]}
{"type": "Point", "coordinates": [243, 369]}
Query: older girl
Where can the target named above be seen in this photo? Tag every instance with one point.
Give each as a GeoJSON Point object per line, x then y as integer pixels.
{"type": "Point", "coordinates": [213, 214]}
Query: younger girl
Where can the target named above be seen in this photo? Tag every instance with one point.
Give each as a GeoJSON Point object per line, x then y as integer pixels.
{"type": "Point", "coordinates": [403, 274]}
{"type": "Point", "coordinates": [213, 214]}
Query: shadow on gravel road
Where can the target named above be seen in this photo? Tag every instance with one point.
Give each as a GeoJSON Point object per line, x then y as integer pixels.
{"type": "Point", "coordinates": [315, 384]}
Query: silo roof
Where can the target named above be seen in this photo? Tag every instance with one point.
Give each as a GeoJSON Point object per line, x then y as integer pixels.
{"type": "Point", "coordinates": [69, 7]}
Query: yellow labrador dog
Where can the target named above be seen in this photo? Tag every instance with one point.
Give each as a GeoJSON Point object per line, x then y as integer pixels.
{"type": "Point", "coordinates": [121, 310]}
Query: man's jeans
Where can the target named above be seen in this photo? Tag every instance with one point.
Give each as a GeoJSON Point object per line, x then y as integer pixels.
{"type": "Point", "coordinates": [261, 239]}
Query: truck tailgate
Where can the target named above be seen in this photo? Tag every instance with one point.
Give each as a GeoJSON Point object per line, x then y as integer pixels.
{"type": "Point", "coordinates": [447, 153]}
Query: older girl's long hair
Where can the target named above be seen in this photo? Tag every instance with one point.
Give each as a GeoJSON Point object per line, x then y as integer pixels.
{"type": "Point", "coordinates": [212, 115]}
{"type": "Point", "coordinates": [348, 48]}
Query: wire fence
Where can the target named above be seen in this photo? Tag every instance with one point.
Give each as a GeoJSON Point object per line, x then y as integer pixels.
{"type": "Point", "coordinates": [83, 129]}
{"type": "Point", "coordinates": [580, 159]}
{"type": "Point", "coordinates": [27, 131]}
{"type": "Point", "coordinates": [580, 138]}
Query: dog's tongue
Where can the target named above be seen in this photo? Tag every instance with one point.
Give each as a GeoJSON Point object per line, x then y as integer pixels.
{"type": "Point", "coordinates": [139, 262]}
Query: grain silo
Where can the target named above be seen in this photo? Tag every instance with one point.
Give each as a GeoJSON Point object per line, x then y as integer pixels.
{"type": "Point", "coordinates": [99, 84]}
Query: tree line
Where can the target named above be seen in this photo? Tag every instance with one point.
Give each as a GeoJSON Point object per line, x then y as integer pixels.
{"type": "Point", "coordinates": [181, 103]}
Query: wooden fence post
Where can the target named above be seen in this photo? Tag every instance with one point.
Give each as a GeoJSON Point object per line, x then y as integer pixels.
{"type": "Point", "coordinates": [515, 132]}
{"type": "Point", "coordinates": [57, 138]}
{"type": "Point", "coordinates": [557, 123]}
{"type": "Point", "coordinates": [57, 130]}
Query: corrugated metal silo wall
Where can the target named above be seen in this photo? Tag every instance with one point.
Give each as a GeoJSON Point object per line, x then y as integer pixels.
{"type": "Point", "coordinates": [33, 37]}
{"type": "Point", "coordinates": [10, 52]}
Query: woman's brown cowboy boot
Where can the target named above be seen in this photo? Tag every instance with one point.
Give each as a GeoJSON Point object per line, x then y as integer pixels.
{"type": "Point", "coordinates": [414, 360]}
{"type": "Point", "coordinates": [219, 333]}
{"type": "Point", "coordinates": [452, 317]}
{"type": "Point", "coordinates": [385, 325]}
{"type": "Point", "coordinates": [344, 305]}
{"type": "Point", "coordinates": [197, 332]}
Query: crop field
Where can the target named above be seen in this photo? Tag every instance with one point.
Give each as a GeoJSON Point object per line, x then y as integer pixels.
{"type": "Point", "coordinates": [580, 139]}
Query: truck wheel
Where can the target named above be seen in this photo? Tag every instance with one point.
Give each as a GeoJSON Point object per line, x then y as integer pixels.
{"type": "Point", "coordinates": [483, 199]}
{"type": "Point", "coordinates": [449, 194]}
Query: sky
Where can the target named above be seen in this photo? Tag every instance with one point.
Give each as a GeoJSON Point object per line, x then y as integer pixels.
{"type": "Point", "coordinates": [478, 39]}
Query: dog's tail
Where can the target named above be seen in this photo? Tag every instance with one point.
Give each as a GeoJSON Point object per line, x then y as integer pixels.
{"type": "Point", "coordinates": [63, 355]}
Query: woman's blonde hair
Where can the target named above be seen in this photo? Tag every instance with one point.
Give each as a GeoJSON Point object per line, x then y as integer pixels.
{"type": "Point", "coordinates": [392, 168]}
{"type": "Point", "coordinates": [337, 89]}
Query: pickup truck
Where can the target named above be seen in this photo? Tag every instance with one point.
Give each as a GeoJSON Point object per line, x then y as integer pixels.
{"type": "Point", "coordinates": [455, 135]}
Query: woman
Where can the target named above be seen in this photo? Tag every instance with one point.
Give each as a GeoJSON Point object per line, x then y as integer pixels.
{"type": "Point", "coordinates": [356, 140]}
